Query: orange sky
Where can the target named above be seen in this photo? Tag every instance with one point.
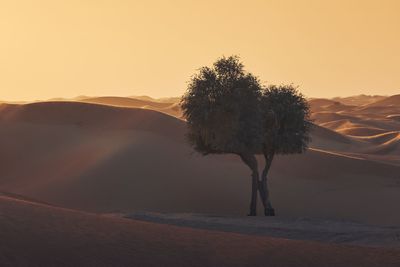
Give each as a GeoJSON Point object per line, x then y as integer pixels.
{"type": "Point", "coordinates": [114, 47]}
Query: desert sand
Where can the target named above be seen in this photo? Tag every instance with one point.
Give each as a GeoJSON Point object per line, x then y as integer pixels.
{"type": "Point", "coordinates": [137, 159]}
{"type": "Point", "coordinates": [35, 234]}
{"type": "Point", "coordinates": [126, 156]}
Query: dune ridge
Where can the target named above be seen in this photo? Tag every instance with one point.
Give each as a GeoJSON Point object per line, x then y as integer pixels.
{"type": "Point", "coordinates": [393, 100]}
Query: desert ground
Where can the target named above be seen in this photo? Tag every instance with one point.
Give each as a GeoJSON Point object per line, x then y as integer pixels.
{"type": "Point", "coordinates": [112, 181]}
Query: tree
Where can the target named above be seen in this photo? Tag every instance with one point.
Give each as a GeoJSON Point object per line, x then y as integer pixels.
{"type": "Point", "coordinates": [228, 111]}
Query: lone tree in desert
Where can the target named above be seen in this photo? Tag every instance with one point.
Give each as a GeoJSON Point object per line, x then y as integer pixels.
{"type": "Point", "coordinates": [229, 111]}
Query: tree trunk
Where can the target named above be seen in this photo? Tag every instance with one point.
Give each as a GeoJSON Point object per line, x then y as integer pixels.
{"type": "Point", "coordinates": [254, 189]}
{"type": "Point", "coordinates": [263, 185]}
{"type": "Point", "coordinates": [251, 161]}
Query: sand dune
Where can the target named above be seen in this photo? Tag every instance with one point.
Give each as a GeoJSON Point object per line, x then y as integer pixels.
{"type": "Point", "coordinates": [125, 102]}
{"type": "Point", "coordinates": [91, 116]}
{"type": "Point", "coordinates": [326, 139]}
{"type": "Point", "coordinates": [105, 158]}
{"type": "Point", "coordinates": [359, 100]}
{"type": "Point", "coordinates": [355, 130]}
{"type": "Point", "coordinates": [390, 146]}
{"type": "Point", "coordinates": [144, 97]}
{"type": "Point", "coordinates": [372, 111]}
{"type": "Point", "coordinates": [323, 117]}
{"type": "Point", "coordinates": [70, 238]}
{"type": "Point", "coordinates": [321, 105]}
{"type": "Point", "coordinates": [390, 101]}
{"type": "Point", "coordinates": [339, 125]}
{"type": "Point", "coordinates": [382, 138]}
{"type": "Point", "coordinates": [162, 105]}
{"type": "Point", "coordinates": [174, 110]}
{"type": "Point", "coordinates": [136, 159]}
{"type": "Point", "coordinates": [339, 122]}
{"type": "Point", "coordinates": [371, 126]}
{"type": "Point", "coordinates": [394, 117]}
{"type": "Point", "coordinates": [320, 102]}
{"type": "Point", "coordinates": [162, 99]}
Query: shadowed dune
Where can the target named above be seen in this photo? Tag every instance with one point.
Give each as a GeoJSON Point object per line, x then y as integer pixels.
{"type": "Point", "coordinates": [70, 238]}
{"type": "Point", "coordinates": [109, 159]}
{"type": "Point", "coordinates": [326, 139]}
{"type": "Point", "coordinates": [92, 116]}
{"type": "Point", "coordinates": [320, 102]}
{"type": "Point", "coordinates": [389, 146]}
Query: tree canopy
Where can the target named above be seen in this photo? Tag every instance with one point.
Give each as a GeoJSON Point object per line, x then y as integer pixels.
{"type": "Point", "coordinates": [228, 110]}
{"type": "Point", "coordinates": [286, 119]}
{"type": "Point", "coordinates": [222, 109]}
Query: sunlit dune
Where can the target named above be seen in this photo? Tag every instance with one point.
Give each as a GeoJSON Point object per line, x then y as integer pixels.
{"type": "Point", "coordinates": [394, 117]}
{"type": "Point", "coordinates": [372, 125]}
{"type": "Point", "coordinates": [359, 100]}
{"type": "Point", "coordinates": [162, 105]}
{"type": "Point", "coordinates": [381, 138]}
{"type": "Point", "coordinates": [125, 102]}
{"type": "Point", "coordinates": [386, 102]}
{"type": "Point", "coordinates": [391, 146]}
{"type": "Point", "coordinates": [355, 130]}
{"type": "Point", "coordinates": [161, 100]}
{"type": "Point", "coordinates": [372, 111]}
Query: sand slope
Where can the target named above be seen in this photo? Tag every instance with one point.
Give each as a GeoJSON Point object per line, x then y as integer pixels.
{"type": "Point", "coordinates": [162, 105]}
{"type": "Point", "coordinates": [359, 100]}
{"type": "Point", "coordinates": [70, 238]}
{"type": "Point", "coordinates": [393, 100]}
{"type": "Point", "coordinates": [125, 102]}
{"type": "Point", "coordinates": [321, 104]}
{"type": "Point", "coordinates": [369, 117]}
{"type": "Point", "coordinates": [136, 159]}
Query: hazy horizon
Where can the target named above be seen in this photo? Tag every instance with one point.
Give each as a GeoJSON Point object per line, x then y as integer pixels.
{"type": "Point", "coordinates": [77, 97]}
{"type": "Point", "coordinates": [64, 49]}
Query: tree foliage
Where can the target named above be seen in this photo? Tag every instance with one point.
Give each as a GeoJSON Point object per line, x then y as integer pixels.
{"type": "Point", "coordinates": [286, 119]}
{"type": "Point", "coordinates": [222, 109]}
{"type": "Point", "coordinates": [229, 111]}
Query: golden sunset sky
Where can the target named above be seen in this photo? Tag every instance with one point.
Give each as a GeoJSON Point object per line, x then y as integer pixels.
{"type": "Point", "coordinates": [54, 48]}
